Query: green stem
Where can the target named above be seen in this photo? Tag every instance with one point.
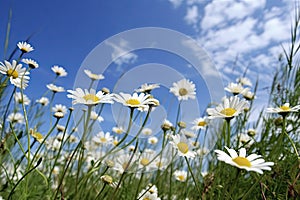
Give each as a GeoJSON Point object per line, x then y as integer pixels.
{"type": "Point", "coordinates": [194, 179]}
{"type": "Point", "coordinates": [228, 132]}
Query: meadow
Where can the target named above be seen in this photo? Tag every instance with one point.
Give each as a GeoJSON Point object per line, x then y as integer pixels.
{"type": "Point", "coordinates": [257, 160]}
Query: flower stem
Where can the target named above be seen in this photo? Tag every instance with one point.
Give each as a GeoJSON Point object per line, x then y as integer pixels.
{"type": "Point", "coordinates": [194, 179]}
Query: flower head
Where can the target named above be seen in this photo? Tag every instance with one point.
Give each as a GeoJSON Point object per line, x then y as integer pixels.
{"type": "Point", "coordinates": [59, 110]}
{"type": "Point", "coordinates": [25, 47]}
{"type": "Point", "coordinates": [55, 88]}
{"type": "Point", "coordinates": [31, 63]}
{"type": "Point", "coordinates": [244, 81]}
{"type": "Point", "coordinates": [18, 75]}
{"type": "Point", "coordinates": [93, 76]}
{"type": "Point", "coordinates": [59, 71]}
{"type": "Point", "coordinates": [149, 193]}
{"type": "Point", "coordinates": [180, 175]}
{"type": "Point", "coordinates": [141, 100]}
{"type": "Point", "coordinates": [102, 138]}
{"type": "Point", "coordinates": [145, 88]}
{"type": "Point", "coordinates": [19, 98]}
{"type": "Point", "coordinates": [184, 89]}
{"type": "Point", "coordinates": [95, 116]}
{"type": "Point", "coordinates": [229, 108]}
{"type": "Point", "coordinates": [284, 109]}
{"type": "Point", "coordinates": [44, 101]}
{"type": "Point", "coordinates": [181, 143]}
{"type": "Point", "coordinates": [16, 118]}
{"type": "Point", "coordinates": [118, 129]}
{"type": "Point", "coordinates": [91, 97]}
{"type": "Point", "coordinates": [200, 123]}
{"type": "Point", "coordinates": [235, 88]}
{"type": "Point", "coordinates": [252, 162]}
{"type": "Point", "coordinates": [37, 135]}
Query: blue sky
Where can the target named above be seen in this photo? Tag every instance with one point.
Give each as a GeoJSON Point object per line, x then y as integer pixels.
{"type": "Point", "coordinates": [235, 34]}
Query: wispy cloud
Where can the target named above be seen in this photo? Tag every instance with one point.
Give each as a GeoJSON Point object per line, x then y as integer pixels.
{"type": "Point", "coordinates": [121, 54]}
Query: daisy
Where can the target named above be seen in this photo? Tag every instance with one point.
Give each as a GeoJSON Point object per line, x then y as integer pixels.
{"type": "Point", "coordinates": [147, 131]}
{"type": "Point", "coordinates": [93, 76]}
{"type": "Point", "coordinates": [180, 175]}
{"type": "Point", "coordinates": [55, 88]}
{"type": "Point", "coordinates": [25, 47]}
{"type": "Point", "coordinates": [251, 132]}
{"type": "Point", "coordinates": [18, 76]}
{"type": "Point", "coordinates": [123, 161]}
{"type": "Point", "coordinates": [102, 138]}
{"type": "Point", "coordinates": [44, 101]}
{"type": "Point", "coordinates": [146, 160]}
{"type": "Point", "coordinates": [248, 95]}
{"type": "Point", "coordinates": [135, 100]}
{"type": "Point", "coordinates": [252, 162]}
{"type": "Point", "coordinates": [181, 143]}
{"type": "Point", "coordinates": [36, 135]}
{"type": "Point", "coordinates": [60, 128]}
{"type": "Point", "coordinates": [234, 88]}
{"type": "Point", "coordinates": [89, 98]}
{"type": "Point", "coordinates": [18, 98]}
{"type": "Point", "coordinates": [59, 71]}
{"type": "Point", "coordinates": [229, 108]}
{"type": "Point", "coordinates": [145, 88]}
{"type": "Point", "coordinates": [245, 140]}
{"type": "Point", "coordinates": [284, 109]}
{"type": "Point", "coordinates": [152, 140]}
{"type": "Point", "coordinates": [184, 89]}
{"type": "Point", "coordinates": [94, 116]}
{"type": "Point", "coordinates": [16, 118]}
{"type": "Point", "coordinates": [244, 81]}
{"type": "Point", "coordinates": [31, 63]}
{"type": "Point", "coordinates": [59, 110]}
{"type": "Point", "coordinates": [200, 123]}
{"type": "Point", "coordinates": [167, 125]}
{"type": "Point", "coordinates": [149, 193]}
{"type": "Point", "coordinates": [118, 129]}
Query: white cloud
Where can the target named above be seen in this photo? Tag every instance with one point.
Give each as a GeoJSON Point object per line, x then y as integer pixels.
{"type": "Point", "coordinates": [121, 54]}
{"type": "Point", "coordinates": [176, 3]}
{"type": "Point", "coordinates": [192, 15]}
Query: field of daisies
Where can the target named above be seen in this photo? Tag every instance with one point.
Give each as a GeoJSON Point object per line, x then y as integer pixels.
{"type": "Point", "coordinates": [72, 160]}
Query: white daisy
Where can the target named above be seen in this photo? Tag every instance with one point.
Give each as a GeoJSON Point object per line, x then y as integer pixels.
{"type": "Point", "coordinates": [60, 128]}
{"type": "Point", "coordinates": [59, 71]}
{"type": "Point", "coordinates": [152, 140]}
{"type": "Point", "coordinates": [147, 131]}
{"type": "Point", "coordinates": [247, 94]}
{"type": "Point", "coordinates": [18, 76]}
{"type": "Point", "coordinates": [25, 47]}
{"type": "Point", "coordinates": [252, 162]}
{"type": "Point", "coordinates": [146, 160]}
{"type": "Point", "coordinates": [102, 138]}
{"type": "Point", "coordinates": [180, 175]}
{"type": "Point", "coordinates": [93, 76]}
{"type": "Point", "coordinates": [184, 89]}
{"type": "Point", "coordinates": [91, 97]}
{"type": "Point", "coordinates": [244, 81]}
{"type": "Point", "coordinates": [145, 88]}
{"type": "Point", "coordinates": [181, 143]}
{"type": "Point", "coordinates": [44, 101]}
{"type": "Point", "coordinates": [16, 118]}
{"type": "Point", "coordinates": [166, 125]}
{"type": "Point", "coordinates": [251, 132]}
{"type": "Point", "coordinates": [123, 161]}
{"type": "Point", "coordinates": [245, 140]}
{"type": "Point", "coordinates": [18, 98]}
{"type": "Point", "coordinates": [118, 129]}
{"type": "Point", "coordinates": [55, 88]}
{"type": "Point", "coordinates": [31, 63]}
{"type": "Point", "coordinates": [37, 135]}
{"type": "Point", "coordinates": [200, 123]}
{"type": "Point", "coordinates": [234, 88]}
{"type": "Point", "coordinates": [59, 110]}
{"type": "Point", "coordinates": [135, 100]}
{"type": "Point", "coordinates": [94, 116]}
{"type": "Point", "coordinates": [149, 193]}
{"type": "Point", "coordinates": [284, 109]}
{"type": "Point", "coordinates": [229, 108]}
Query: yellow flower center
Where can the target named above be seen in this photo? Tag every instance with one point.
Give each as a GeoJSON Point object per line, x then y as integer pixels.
{"type": "Point", "coordinates": [181, 177]}
{"type": "Point", "coordinates": [103, 139]}
{"type": "Point", "coordinates": [12, 73]}
{"type": "Point", "coordinates": [91, 97]}
{"type": "Point", "coordinates": [146, 198]}
{"type": "Point", "coordinates": [159, 164]}
{"type": "Point", "coordinates": [285, 108]}
{"type": "Point", "coordinates": [115, 142]}
{"type": "Point", "coordinates": [202, 123]}
{"type": "Point", "coordinates": [241, 161]}
{"type": "Point", "coordinates": [144, 161]}
{"type": "Point", "coordinates": [38, 136]}
{"type": "Point", "coordinates": [183, 92]}
{"type": "Point", "coordinates": [183, 147]}
{"type": "Point", "coordinates": [133, 102]}
{"type": "Point", "coordinates": [228, 112]}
